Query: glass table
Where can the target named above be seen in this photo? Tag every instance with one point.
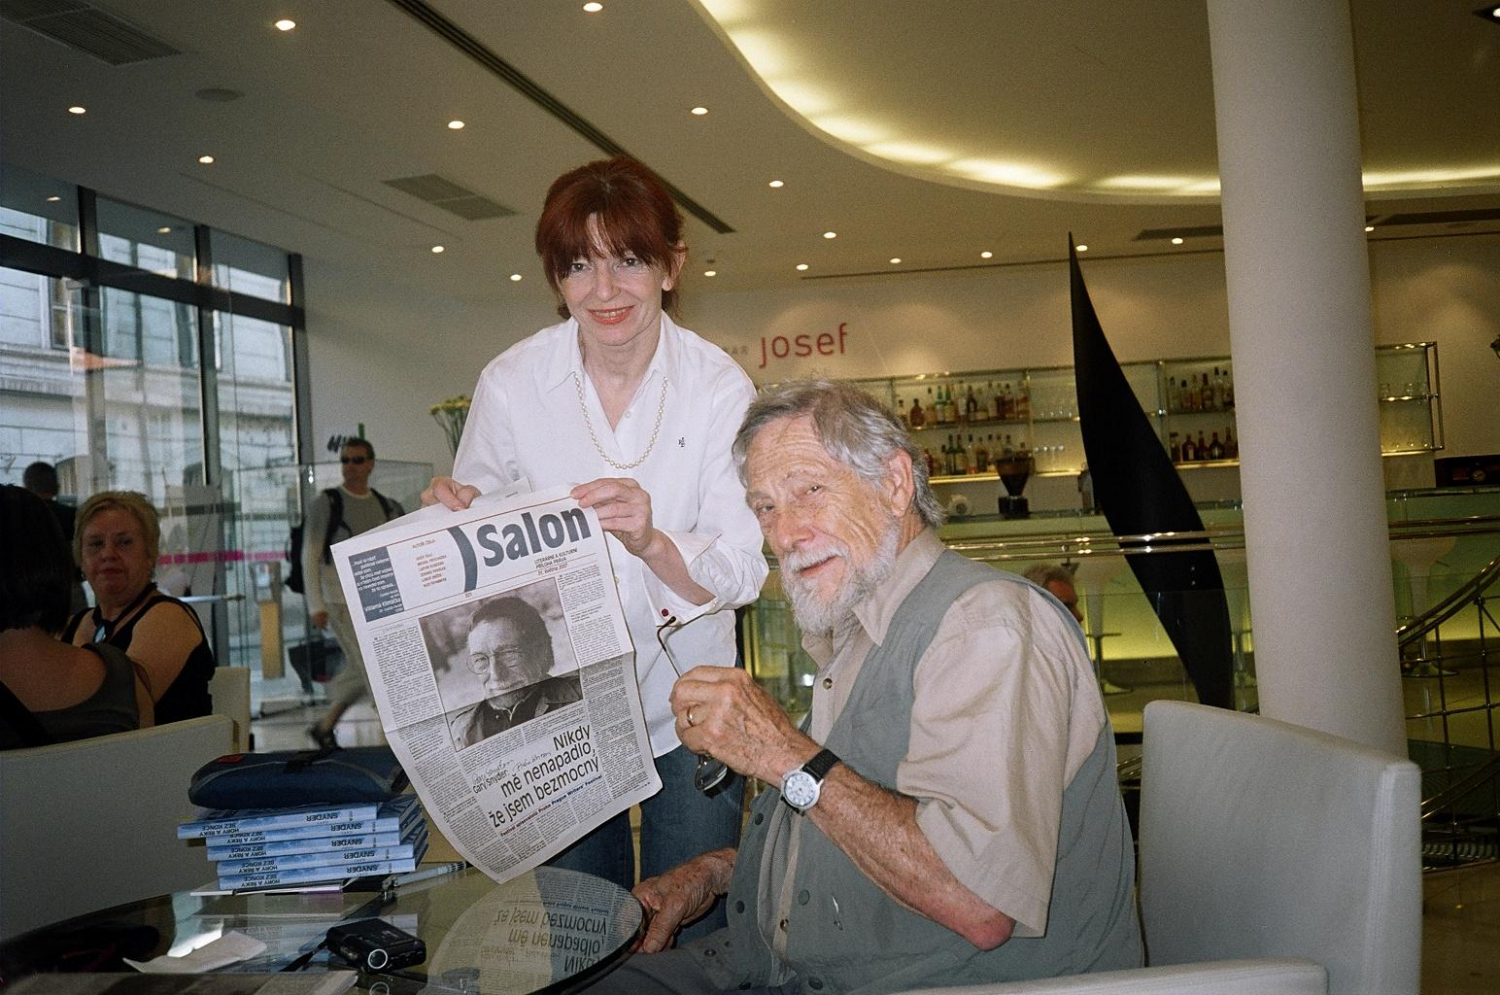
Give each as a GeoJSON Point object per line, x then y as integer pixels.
{"type": "Point", "coordinates": [549, 930]}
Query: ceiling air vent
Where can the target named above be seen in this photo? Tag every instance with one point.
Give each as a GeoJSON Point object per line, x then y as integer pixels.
{"type": "Point", "coordinates": [87, 29]}
{"type": "Point", "coordinates": [449, 196]}
{"type": "Point", "coordinates": [1442, 217]}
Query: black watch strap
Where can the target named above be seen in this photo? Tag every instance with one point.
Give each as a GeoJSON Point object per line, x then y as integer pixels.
{"type": "Point", "coordinates": [821, 764]}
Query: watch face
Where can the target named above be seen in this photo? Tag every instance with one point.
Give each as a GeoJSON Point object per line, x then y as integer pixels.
{"type": "Point", "coordinates": [800, 789]}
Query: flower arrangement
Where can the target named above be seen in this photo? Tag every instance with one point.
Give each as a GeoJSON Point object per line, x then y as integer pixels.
{"type": "Point", "coordinates": [450, 415]}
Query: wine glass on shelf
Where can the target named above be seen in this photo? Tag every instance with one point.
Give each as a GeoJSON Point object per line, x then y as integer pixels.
{"type": "Point", "coordinates": [710, 772]}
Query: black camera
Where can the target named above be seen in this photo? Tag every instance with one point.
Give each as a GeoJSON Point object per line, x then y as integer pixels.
{"type": "Point", "coordinates": [376, 945]}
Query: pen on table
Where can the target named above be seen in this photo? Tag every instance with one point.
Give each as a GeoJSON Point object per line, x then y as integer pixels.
{"type": "Point", "coordinates": [426, 873]}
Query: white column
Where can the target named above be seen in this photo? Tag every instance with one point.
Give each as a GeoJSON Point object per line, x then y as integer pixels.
{"type": "Point", "coordinates": [1304, 367]}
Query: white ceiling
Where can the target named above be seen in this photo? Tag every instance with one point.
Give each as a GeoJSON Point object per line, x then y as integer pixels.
{"type": "Point", "coordinates": [1080, 91]}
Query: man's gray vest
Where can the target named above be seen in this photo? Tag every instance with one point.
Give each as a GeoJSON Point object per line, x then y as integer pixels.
{"type": "Point", "coordinates": [845, 935]}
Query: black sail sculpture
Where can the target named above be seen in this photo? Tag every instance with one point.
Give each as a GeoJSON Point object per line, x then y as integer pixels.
{"type": "Point", "coordinates": [1138, 490]}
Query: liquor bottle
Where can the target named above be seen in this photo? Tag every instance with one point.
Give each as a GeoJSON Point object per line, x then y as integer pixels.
{"type": "Point", "coordinates": [1192, 398]}
{"type": "Point", "coordinates": [901, 411]}
{"type": "Point", "coordinates": [1218, 389]}
{"type": "Point", "coordinates": [1174, 447]}
{"type": "Point", "coordinates": [1023, 403]}
{"type": "Point", "coordinates": [1189, 450]}
{"type": "Point", "coordinates": [917, 417]}
{"type": "Point", "coordinates": [1231, 445]}
{"type": "Point", "coordinates": [1228, 388]}
{"type": "Point", "coordinates": [1007, 404]}
{"type": "Point", "coordinates": [982, 456]}
{"type": "Point", "coordinates": [939, 407]}
{"type": "Point", "coordinates": [950, 463]}
{"type": "Point", "coordinates": [971, 406]}
{"type": "Point", "coordinates": [930, 463]}
{"type": "Point", "coordinates": [997, 405]}
{"type": "Point", "coordinates": [1202, 446]}
{"type": "Point", "coordinates": [1007, 449]}
{"type": "Point", "coordinates": [1207, 391]}
{"type": "Point", "coordinates": [953, 407]}
{"type": "Point", "coordinates": [1215, 447]}
{"type": "Point", "coordinates": [971, 456]}
{"type": "Point", "coordinates": [1174, 397]}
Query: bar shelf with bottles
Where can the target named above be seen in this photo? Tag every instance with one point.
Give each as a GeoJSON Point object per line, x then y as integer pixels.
{"type": "Point", "coordinates": [967, 420]}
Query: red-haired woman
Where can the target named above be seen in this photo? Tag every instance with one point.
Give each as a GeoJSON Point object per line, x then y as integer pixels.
{"type": "Point", "coordinates": [643, 412]}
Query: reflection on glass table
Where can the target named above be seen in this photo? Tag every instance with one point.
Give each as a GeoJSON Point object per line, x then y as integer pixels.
{"type": "Point", "coordinates": [544, 931]}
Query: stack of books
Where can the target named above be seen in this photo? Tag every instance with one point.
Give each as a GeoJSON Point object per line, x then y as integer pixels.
{"type": "Point", "coordinates": [310, 844]}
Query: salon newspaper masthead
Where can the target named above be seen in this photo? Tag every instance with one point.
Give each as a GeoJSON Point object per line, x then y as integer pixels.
{"type": "Point", "coordinates": [498, 654]}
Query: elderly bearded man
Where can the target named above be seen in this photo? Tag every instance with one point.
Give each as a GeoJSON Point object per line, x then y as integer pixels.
{"type": "Point", "coordinates": [948, 814]}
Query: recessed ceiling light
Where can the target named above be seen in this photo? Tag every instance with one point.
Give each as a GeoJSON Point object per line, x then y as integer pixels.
{"type": "Point", "coordinates": [78, 109]}
{"type": "Point", "coordinates": [1369, 227]}
{"type": "Point", "coordinates": [776, 184]}
{"type": "Point", "coordinates": [515, 278]}
{"type": "Point", "coordinates": [830, 234]}
{"type": "Point", "coordinates": [456, 125]}
{"type": "Point", "coordinates": [986, 255]}
{"type": "Point", "coordinates": [285, 24]}
{"type": "Point", "coordinates": [700, 111]}
{"type": "Point", "coordinates": [164, 230]}
{"type": "Point", "coordinates": [710, 272]}
{"type": "Point", "coordinates": [593, 8]}
{"type": "Point", "coordinates": [1177, 240]}
{"type": "Point", "coordinates": [801, 267]}
{"type": "Point", "coordinates": [1081, 248]}
{"type": "Point", "coordinates": [207, 160]}
{"type": "Point", "coordinates": [895, 260]}
{"type": "Point", "coordinates": [436, 249]}
{"type": "Point", "coordinates": [1490, 12]}
{"type": "Point", "coordinates": [53, 199]}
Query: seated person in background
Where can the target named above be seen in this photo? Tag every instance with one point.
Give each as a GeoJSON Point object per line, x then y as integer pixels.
{"type": "Point", "coordinates": [51, 692]}
{"type": "Point", "coordinates": [40, 479]}
{"type": "Point", "coordinates": [1058, 582]}
{"type": "Point", "coordinates": [117, 542]}
{"type": "Point", "coordinates": [948, 814]}
{"type": "Point", "coordinates": [510, 649]}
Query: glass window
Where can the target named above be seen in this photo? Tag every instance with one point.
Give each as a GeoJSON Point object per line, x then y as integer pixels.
{"type": "Point", "coordinates": [41, 398]}
{"type": "Point", "coordinates": [38, 209]}
{"type": "Point", "coordinates": [146, 240]}
{"type": "Point", "coordinates": [249, 268]}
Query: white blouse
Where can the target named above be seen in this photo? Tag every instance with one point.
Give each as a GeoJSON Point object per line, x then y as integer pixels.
{"type": "Point", "coordinates": [526, 423]}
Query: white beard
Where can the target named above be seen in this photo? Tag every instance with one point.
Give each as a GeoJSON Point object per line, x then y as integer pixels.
{"type": "Point", "coordinates": [817, 617]}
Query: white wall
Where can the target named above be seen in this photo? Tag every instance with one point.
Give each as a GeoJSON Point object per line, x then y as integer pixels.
{"type": "Point", "coordinates": [383, 355]}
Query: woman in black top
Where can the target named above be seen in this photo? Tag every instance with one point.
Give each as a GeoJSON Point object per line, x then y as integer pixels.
{"type": "Point", "coordinates": [116, 542]}
{"type": "Point", "coordinates": [51, 692]}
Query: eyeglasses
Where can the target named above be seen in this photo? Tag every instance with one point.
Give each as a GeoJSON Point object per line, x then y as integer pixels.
{"type": "Point", "coordinates": [710, 772]}
{"type": "Point", "coordinates": [356, 460]}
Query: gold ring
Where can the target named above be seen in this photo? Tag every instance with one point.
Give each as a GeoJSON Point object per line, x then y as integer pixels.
{"type": "Point", "coordinates": [690, 716]}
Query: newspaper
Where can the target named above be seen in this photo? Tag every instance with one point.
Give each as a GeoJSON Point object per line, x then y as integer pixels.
{"type": "Point", "coordinates": [497, 651]}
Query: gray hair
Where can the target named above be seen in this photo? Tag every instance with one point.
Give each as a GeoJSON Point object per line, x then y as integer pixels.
{"type": "Point", "coordinates": [855, 429]}
{"type": "Point", "coordinates": [1043, 573]}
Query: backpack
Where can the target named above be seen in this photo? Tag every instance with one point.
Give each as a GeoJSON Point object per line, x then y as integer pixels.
{"type": "Point", "coordinates": [295, 582]}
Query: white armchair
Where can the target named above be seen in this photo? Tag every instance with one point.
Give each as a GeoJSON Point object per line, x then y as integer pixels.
{"type": "Point", "coordinates": [93, 823]}
{"type": "Point", "coordinates": [1273, 859]}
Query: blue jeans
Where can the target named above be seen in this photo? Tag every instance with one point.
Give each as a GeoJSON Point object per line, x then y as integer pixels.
{"type": "Point", "coordinates": [677, 823]}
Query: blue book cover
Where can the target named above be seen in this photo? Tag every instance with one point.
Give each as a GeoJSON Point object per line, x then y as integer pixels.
{"type": "Point", "coordinates": [413, 845]}
{"type": "Point", "coordinates": [238, 826]}
{"type": "Point", "coordinates": [218, 850]}
{"type": "Point", "coordinates": [314, 875]}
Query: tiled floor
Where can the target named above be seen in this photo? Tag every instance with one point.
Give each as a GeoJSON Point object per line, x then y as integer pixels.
{"type": "Point", "coordinates": [1461, 908]}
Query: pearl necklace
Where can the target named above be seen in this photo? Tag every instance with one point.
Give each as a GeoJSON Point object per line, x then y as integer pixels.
{"type": "Point", "coordinates": [661, 407]}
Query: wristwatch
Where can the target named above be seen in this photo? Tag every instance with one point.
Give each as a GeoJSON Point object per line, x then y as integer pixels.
{"type": "Point", "coordinates": [801, 786]}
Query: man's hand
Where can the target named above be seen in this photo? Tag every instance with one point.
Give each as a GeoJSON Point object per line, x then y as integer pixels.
{"type": "Point", "coordinates": [449, 493]}
{"type": "Point", "coordinates": [319, 619]}
{"type": "Point", "coordinates": [624, 509]}
{"type": "Point", "coordinates": [681, 895]}
{"type": "Point", "coordinates": [721, 711]}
